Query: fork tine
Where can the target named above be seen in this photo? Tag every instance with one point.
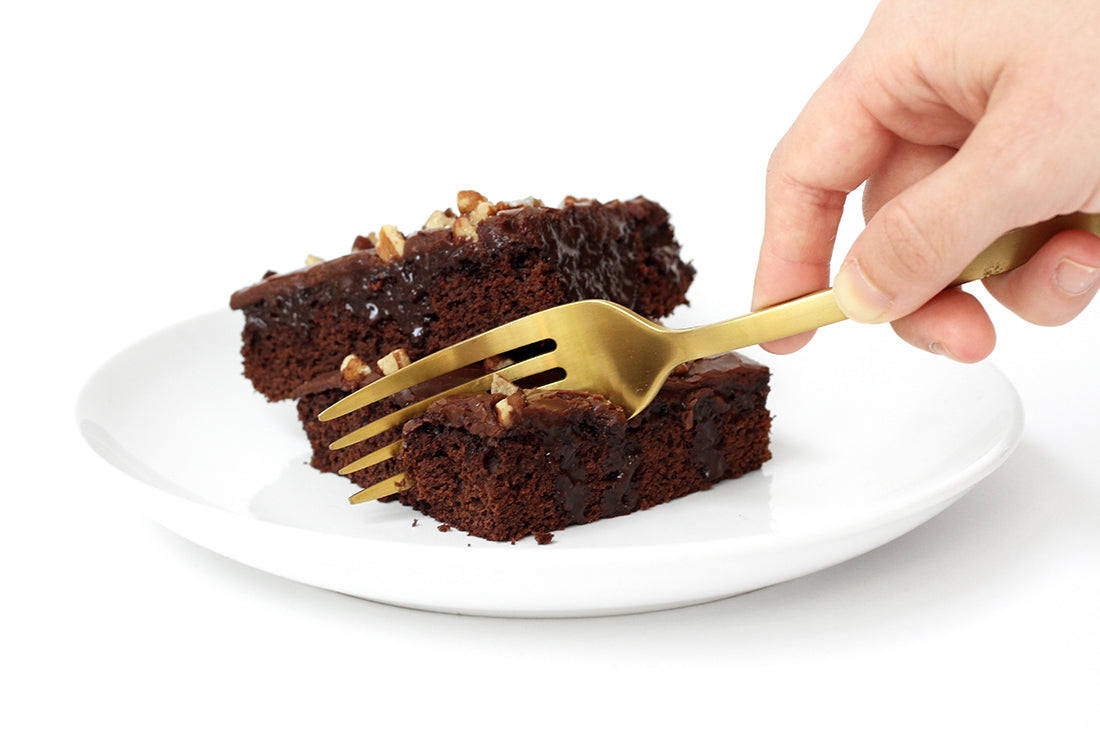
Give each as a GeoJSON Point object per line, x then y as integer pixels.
{"type": "Point", "coordinates": [526, 330]}
{"type": "Point", "coordinates": [526, 368]}
{"type": "Point", "coordinates": [392, 485]}
{"type": "Point", "coordinates": [382, 454]}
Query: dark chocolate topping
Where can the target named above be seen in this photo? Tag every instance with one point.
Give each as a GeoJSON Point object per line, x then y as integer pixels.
{"type": "Point", "coordinates": [554, 231]}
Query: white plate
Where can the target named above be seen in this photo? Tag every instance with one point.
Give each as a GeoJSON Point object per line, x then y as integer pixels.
{"type": "Point", "coordinates": [870, 439]}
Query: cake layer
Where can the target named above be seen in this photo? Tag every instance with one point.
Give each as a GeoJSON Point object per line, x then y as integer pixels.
{"type": "Point", "coordinates": [454, 280]}
{"type": "Point", "coordinates": [505, 466]}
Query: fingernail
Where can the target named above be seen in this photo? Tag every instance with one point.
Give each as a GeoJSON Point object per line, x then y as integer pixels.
{"type": "Point", "coordinates": [1074, 278]}
{"type": "Point", "coordinates": [941, 350]}
{"type": "Point", "coordinates": [858, 297]}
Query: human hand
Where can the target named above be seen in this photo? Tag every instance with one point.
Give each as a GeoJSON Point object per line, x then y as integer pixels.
{"type": "Point", "coordinates": [965, 120]}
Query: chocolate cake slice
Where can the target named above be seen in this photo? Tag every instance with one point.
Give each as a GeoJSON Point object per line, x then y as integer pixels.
{"type": "Point", "coordinates": [463, 273]}
{"type": "Point", "coordinates": [355, 373]}
{"type": "Point", "coordinates": [512, 462]}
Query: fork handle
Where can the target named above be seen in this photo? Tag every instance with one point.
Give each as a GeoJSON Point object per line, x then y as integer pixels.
{"type": "Point", "coordinates": [819, 309]}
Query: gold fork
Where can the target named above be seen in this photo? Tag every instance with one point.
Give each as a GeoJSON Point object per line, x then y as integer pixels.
{"type": "Point", "coordinates": [599, 346]}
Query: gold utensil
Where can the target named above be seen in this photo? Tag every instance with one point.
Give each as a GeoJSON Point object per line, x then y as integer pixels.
{"type": "Point", "coordinates": [599, 346]}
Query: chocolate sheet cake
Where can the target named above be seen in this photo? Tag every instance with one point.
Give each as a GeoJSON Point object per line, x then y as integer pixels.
{"type": "Point", "coordinates": [463, 273]}
{"type": "Point", "coordinates": [509, 463]}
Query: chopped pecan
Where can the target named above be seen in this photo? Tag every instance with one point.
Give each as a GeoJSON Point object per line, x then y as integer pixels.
{"type": "Point", "coordinates": [391, 243]}
{"type": "Point", "coordinates": [439, 220]}
{"type": "Point", "coordinates": [506, 414]}
{"type": "Point", "coordinates": [468, 201]}
{"type": "Point", "coordinates": [464, 229]}
{"type": "Point", "coordinates": [391, 362]}
{"type": "Point", "coordinates": [352, 368]}
{"type": "Point", "coordinates": [500, 385]}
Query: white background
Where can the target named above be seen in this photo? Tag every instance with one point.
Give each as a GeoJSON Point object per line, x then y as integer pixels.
{"type": "Point", "coordinates": [158, 156]}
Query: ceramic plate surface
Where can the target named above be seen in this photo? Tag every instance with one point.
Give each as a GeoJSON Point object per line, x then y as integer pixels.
{"type": "Point", "coordinates": [870, 439]}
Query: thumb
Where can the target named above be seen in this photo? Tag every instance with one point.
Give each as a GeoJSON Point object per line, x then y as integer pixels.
{"type": "Point", "coordinates": [923, 237]}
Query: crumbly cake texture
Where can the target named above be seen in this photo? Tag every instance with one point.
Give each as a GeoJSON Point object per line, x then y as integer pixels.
{"type": "Point", "coordinates": [511, 463]}
{"type": "Point", "coordinates": [461, 274]}
{"type": "Point", "coordinates": [316, 395]}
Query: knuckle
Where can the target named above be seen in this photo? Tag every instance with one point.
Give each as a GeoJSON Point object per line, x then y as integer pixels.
{"type": "Point", "coordinates": [801, 220]}
{"type": "Point", "coordinates": [911, 253]}
{"type": "Point", "coordinates": [794, 191]}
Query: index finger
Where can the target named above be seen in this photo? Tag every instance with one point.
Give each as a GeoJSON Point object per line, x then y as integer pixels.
{"type": "Point", "coordinates": [832, 147]}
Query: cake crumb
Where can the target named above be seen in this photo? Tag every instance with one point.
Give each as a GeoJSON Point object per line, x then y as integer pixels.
{"type": "Point", "coordinates": [416, 521]}
{"type": "Point", "coordinates": [544, 538]}
{"type": "Point", "coordinates": [444, 528]}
